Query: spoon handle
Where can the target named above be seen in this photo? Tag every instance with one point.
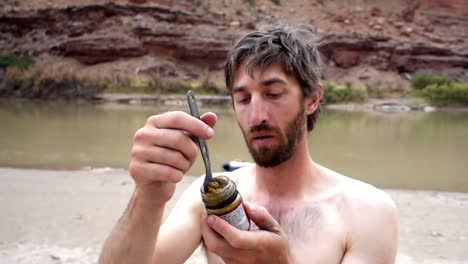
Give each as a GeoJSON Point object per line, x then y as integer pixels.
{"type": "Point", "coordinates": [201, 142]}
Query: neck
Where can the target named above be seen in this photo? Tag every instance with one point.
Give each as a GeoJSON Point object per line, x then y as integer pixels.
{"type": "Point", "coordinates": [291, 178]}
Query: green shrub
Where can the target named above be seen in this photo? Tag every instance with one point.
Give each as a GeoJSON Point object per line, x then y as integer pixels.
{"type": "Point", "coordinates": [335, 93]}
{"type": "Point", "coordinates": [446, 94]}
{"type": "Point", "coordinates": [421, 81]}
{"type": "Point", "coordinates": [11, 60]}
{"type": "Point", "coordinates": [159, 86]}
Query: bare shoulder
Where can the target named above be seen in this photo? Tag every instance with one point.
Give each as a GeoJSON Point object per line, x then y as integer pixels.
{"type": "Point", "coordinates": [361, 199]}
{"type": "Point", "coordinates": [371, 221]}
{"type": "Point", "coordinates": [361, 195]}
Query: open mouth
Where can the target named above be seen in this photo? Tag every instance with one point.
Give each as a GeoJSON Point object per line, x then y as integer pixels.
{"type": "Point", "coordinates": [263, 140]}
{"type": "Point", "coordinates": [262, 137]}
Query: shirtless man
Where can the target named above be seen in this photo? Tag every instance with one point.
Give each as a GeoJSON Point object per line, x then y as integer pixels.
{"type": "Point", "coordinates": [303, 212]}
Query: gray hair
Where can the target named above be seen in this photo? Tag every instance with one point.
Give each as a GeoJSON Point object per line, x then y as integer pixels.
{"type": "Point", "coordinates": [295, 48]}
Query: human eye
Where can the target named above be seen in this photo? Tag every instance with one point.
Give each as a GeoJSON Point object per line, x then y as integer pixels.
{"type": "Point", "coordinates": [273, 95]}
{"type": "Point", "coordinates": [242, 99]}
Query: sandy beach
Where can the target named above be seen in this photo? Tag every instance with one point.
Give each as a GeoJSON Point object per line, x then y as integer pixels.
{"type": "Point", "coordinates": [64, 217]}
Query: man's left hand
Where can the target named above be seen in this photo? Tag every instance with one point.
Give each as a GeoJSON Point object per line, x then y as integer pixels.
{"type": "Point", "coordinates": [269, 244]}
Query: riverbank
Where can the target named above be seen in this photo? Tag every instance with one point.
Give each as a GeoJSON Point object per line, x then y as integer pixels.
{"type": "Point", "coordinates": [64, 216]}
{"type": "Point", "coordinates": [381, 105]}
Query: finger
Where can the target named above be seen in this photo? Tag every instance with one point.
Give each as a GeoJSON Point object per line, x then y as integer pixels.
{"type": "Point", "coordinates": [209, 118]}
{"type": "Point", "coordinates": [159, 155]}
{"type": "Point", "coordinates": [167, 138]}
{"type": "Point", "coordinates": [262, 218]}
{"type": "Point", "coordinates": [182, 121]}
{"type": "Point", "coordinates": [235, 237]}
{"type": "Point", "coordinates": [213, 241]}
{"type": "Point", "coordinates": [150, 172]}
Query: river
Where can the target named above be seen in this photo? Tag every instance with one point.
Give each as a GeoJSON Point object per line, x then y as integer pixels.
{"type": "Point", "coordinates": [408, 150]}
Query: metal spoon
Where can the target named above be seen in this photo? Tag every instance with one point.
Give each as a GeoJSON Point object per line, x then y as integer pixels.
{"type": "Point", "coordinates": [201, 142]}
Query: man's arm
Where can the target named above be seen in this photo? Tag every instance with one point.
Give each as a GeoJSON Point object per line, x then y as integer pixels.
{"type": "Point", "coordinates": [180, 233]}
{"type": "Point", "coordinates": [374, 232]}
{"type": "Point", "coordinates": [161, 154]}
{"type": "Point", "coordinates": [133, 238]}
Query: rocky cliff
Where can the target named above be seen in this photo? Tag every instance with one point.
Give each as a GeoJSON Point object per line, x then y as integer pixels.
{"type": "Point", "coordinates": [186, 39]}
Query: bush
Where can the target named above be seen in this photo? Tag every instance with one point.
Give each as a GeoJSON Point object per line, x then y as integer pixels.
{"type": "Point", "coordinates": [421, 81]}
{"type": "Point", "coordinates": [11, 60]}
{"type": "Point", "coordinates": [440, 90]}
{"type": "Point", "coordinates": [334, 93]}
{"type": "Point", "coordinates": [446, 94]}
{"type": "Point", "coordinates": [159, 86]}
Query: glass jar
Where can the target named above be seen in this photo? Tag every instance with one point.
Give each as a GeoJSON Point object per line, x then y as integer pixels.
{"type": "Point", "coordinates": [223, 199]}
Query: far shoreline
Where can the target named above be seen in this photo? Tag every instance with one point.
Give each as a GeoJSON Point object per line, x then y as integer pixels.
{"type": "Point", "coordinates": [372, 104]}
{"type": "Point", "coordinates": [384, 105]}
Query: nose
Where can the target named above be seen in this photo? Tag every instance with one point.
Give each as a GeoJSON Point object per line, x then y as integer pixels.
{"type": "Point", "coordinates": [258, 113]}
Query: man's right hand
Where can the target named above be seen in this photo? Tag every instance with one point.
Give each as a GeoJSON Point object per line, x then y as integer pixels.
{"type": "Point", "coordinates": [164, 150]}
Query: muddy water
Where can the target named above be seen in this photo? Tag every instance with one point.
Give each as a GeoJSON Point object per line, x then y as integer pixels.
{"type": "Point", "coordinates": [412, 150]}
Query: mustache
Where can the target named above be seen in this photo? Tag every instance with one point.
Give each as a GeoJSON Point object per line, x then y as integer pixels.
{"type": "Point", "coordinates": [261, 127]}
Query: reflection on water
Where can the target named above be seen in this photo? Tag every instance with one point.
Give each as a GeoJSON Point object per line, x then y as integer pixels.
{"type": "Point", "coordinates": [397, 150]}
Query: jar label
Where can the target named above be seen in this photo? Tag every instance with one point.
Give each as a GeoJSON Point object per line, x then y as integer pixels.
{"type": "Point", "coordinates": [237, 218]}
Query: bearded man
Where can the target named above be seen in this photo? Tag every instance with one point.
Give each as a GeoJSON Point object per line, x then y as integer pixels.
{"type": "Point", "coordinates": [302, 211]}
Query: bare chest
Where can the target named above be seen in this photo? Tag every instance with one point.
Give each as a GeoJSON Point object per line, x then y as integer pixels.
{"type": "Point", "coordinates": [316, 233]}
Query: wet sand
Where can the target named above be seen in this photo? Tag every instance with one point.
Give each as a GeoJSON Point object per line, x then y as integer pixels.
{"type": "Point", "coordinates": [64, 216]}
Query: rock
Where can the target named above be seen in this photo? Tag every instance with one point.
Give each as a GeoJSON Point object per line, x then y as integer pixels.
{"type": "Point", "coordinates": [380, 20]}
{"type": "Point", "coordinates": [364, 75]}
{"type": "Point", "coordinates": [429, 28]}
{"type": "Point", "coordinates": [399, 25]}
{"type": "Point", "coordinates": [375, 11]}
{"type": "Point", "coordinates": [406, 31]}
{"type": "Point", "coordinates": [339, 19]}
{"type": "Point", "coordinates": [377, 27]}
{"type": "Point", "coordinates": [436, 234]}
{"type": "Point", "coordinates": [235, 23]}
{"type": "Point", "coordinates": [410, 10]}
{"type": "Point", "coordinates": [346, 58]}
{"type": "Point", "coordinates": [391, 107]}
{"type": "Point", "coordinates": [386, 54]}
{"type": "Point", "coordinates": [160, 70]}
{"type": "Point", "coordinates": [433, 37]}
{"type": "Point", "coordinates": [429, 109]}
{"type": "Point", "coordinates": [93, 50]}
{"type": "Point", "coordinates": [95, 33]}
{"type": "Point", "coordinates": [123, 183]}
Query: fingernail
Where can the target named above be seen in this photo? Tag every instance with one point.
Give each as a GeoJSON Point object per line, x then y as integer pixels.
{"type": "Point", "coordinates": [210, 220]}
{"type": "Point", "coordinates": [209, 132]}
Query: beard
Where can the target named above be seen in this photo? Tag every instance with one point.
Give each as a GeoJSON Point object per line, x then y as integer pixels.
{"type": "Point", "coordinates": [273, 155]}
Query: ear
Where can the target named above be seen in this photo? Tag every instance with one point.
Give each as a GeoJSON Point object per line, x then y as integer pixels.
{"type": "Point", "coordinates": [312, 101]}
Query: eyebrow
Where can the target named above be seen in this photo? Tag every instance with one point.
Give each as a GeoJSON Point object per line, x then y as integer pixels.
{"type": "Point", "coordinates": [267, 82]}
{"type": "Point", "coordinates": [238, 89]}
{"type": "Point", "coordinates": [273, 80]}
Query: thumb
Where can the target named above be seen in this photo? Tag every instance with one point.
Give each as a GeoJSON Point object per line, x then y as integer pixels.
{"type": "Point", "coordinates": [209, 118]}
{"type": "Point", "coordinates": [262, 218]}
